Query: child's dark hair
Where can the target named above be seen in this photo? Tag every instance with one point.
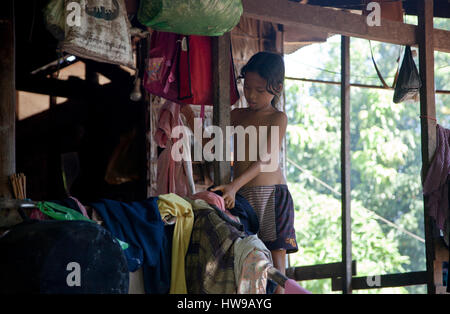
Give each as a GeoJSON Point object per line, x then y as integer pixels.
{"type": "Point", "coordinates": [269, 66]}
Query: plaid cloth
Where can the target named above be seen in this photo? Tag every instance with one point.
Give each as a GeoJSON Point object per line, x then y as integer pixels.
{"type": "Point", "coordinates": [210, 257]}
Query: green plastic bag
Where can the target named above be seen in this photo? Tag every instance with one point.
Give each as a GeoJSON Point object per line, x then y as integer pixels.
{"type": "Point", "coordinates": [188, 17]}
{"type": "Point", "coordinates": [59, 212]}
{"type": "Point", "coordinates": [55, 18]}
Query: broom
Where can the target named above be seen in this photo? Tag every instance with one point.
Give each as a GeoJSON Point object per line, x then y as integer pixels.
{"type": "Point", "coordinates": [19, 185]}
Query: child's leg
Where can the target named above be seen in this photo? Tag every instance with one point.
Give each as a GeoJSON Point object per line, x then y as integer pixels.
{"type": "Point", "coordinates": [279, 261]}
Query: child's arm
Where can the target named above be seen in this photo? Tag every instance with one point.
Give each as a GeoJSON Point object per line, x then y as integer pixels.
{"type": "Point", "coordinates": [229, 190]}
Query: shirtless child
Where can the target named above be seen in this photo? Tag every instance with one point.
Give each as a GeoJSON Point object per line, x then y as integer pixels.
{"type": "Point", "coordinates": [264, 186]}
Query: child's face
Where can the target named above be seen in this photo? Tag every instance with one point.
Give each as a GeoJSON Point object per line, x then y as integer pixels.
{"type": "Point", "coordinates": [255, 91]}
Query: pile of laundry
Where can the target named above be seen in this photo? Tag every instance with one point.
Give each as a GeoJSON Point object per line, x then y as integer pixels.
{"type": "Point", "coordinates": [184, 245]}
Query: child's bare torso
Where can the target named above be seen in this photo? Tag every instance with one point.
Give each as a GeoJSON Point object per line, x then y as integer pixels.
{"type": "Point", "coordinates": [245, 117]}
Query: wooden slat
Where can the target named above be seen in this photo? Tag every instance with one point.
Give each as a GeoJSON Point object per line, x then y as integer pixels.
{"type": "Point", "coordinates": [321, 271]}
{"type": "Point", "coordinates": [385, 281]}
{"type": "Point", "coordinates": [73, 88]}
{"type": "Point", "coordinates": [338, 22]}
{"type": "Point", "coordinates": [7, 97]}
{"type": "Point", "coordinates": [221, 110]}
{"type": "Point", "coordinates": [345, 166]}
{"type": "Point", "coordinates": [427, 109]}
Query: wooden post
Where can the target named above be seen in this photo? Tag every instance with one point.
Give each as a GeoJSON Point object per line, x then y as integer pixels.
{"type": "Point", "coordinates": [427, 109]}
{"type": "Point", "coordinates": [7, 97]}
{"type": "Point", "coordinates": [345, 165]}
{"type": "Point", "coordinates": [91, 75]}
{"type": "Point", "coordinates": [221, 111]}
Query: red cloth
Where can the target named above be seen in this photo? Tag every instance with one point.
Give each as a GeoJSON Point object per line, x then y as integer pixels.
{"type": "Point", "coordinates": [196, 73]}
{"type": "Point", "coordinates": [292, 287]}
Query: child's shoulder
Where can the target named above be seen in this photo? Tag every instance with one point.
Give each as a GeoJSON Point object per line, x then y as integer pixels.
{"type": "Point", "coordinates": [279, 117]}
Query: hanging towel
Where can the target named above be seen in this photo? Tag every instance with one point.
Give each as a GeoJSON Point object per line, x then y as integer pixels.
{"type": "Point", "coordinates": [172, 175]}
{"type": "Point", "coordinates": [435, 187]}
{"type": "Point", "coordinates": [251, 271]}
{"type": "Point", "coordinates": [172, 204]}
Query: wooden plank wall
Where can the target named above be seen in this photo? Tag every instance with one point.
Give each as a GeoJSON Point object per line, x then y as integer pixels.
{"type": "Point", "coordinates": [7, 97]}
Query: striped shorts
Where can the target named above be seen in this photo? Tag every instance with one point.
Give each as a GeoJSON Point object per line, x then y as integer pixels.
{"type": "Point", "coordinates": [274, 207]}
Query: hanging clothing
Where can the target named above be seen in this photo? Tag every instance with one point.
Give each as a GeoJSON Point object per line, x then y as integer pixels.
{"type": "Point", "coordinates": [172, 204]}
{"type": "Point", "coordinates": [214, 199]}
{"type": "Point", "coordinates": [254, 274]}
{"type": "Point", "coordinates": [140, 225]}
{"type": "Point", "coordinates": [435, 186]}
{"type": "Point", "coordinates": [210, 257]}
{"type": "Point", "coordinates": [172, 175]}
{"type": "Point", "coordinates": [251, 269]}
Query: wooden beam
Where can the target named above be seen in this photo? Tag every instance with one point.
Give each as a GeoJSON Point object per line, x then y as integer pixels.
{"type": "Point", "coordinates": [321, 271]}
{"type": "Point", "coordinates": [438, 91]}
{"type": "Point", "coordinates": [221, 50]}
{"type": "Point", "coordinates": [383, 281]}
{"type": "Point", "coordinates": [73, 88]}
{"type": "Point", "coordinates": [345, 166]}
{"type": "Point", "coordinates": [339, 22]}
{"type": "Point", "coordinates": [7, 97]}
{"type": "Point", "coordinates": [428, 126]}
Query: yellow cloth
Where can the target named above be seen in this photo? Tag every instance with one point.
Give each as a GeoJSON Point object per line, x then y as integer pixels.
{"type": "Point", "coordinates": [172, 204]}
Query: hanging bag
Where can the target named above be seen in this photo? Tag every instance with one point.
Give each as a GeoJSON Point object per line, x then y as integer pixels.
{"type": "Point", "coordinates": [160, 77]}
{"type": "Point", "coordinates": [98, 30]}
{"type": "Point", "coordinates": [408, 82]}
{"type": "Point", "coordinates": [179, 68]}
{"type": "Point", "coordinates": [199, 17]}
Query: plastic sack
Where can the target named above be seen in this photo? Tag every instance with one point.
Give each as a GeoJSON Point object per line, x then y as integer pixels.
{"type": "Point", "coordinates": [62, 257]}
{"type": "Point", "coordinates": [98, 30]}
{"type": "Point", "coordinates": [408, 81]}
{"type": "Point", "coordinates": [200, 17]}
{"type": "Point", "coordinates": [55, 18]}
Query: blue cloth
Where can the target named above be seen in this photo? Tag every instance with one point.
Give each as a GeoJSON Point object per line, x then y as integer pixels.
{"type": "Point", "coordinates": [244, 211]}
{"type": "Point", "coordinates": [140, 225]}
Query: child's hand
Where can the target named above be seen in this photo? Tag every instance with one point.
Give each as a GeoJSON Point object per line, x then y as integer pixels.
{"type": "Point", "coordinates": [229, 194]}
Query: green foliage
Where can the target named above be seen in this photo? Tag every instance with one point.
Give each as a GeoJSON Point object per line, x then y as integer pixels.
{"type": "Point", "coordinates": [385, 161]}
{"type": "Point", "coordinates": [318, 229]}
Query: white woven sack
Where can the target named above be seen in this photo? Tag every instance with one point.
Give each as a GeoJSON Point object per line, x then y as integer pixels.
{"type": "Point", "coordinates": [98, 30]}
